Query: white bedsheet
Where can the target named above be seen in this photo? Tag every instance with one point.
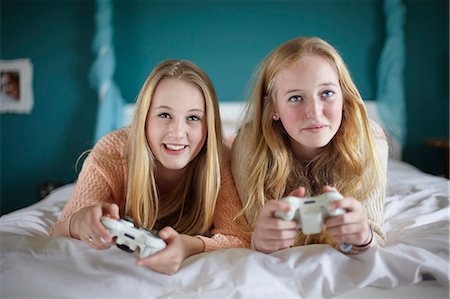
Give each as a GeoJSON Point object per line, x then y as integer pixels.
{"type": "Point", "coordinates": [417, 226]}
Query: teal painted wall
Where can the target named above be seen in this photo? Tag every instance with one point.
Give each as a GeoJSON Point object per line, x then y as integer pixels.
{"type": "Point", "coordinates": [226, 38]}
{"type": "Point", "coordinates": [44, 145]}
{"type": "Point", "coordinates": [427, 81]}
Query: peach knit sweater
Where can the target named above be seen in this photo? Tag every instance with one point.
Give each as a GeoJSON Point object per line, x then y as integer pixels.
{"type": "Point", "coordinates": [104, 180]}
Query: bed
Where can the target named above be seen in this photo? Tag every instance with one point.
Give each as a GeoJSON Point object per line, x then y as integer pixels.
{"type": "Point", "coordinates": [413, 264]}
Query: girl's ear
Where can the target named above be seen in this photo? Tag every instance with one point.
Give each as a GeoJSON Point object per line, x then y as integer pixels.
{"type": "Point", "coordinates": [275, 115]}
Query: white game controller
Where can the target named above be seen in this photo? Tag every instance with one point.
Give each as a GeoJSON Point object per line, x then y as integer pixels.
{"type": "Point", "coordinates": [129, 237]}
{"type": "Point", "coordinates": [310, 212]}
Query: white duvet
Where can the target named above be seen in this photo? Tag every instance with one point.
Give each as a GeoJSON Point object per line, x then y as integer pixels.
{"type": "Point", "coordinates": [416, 222]}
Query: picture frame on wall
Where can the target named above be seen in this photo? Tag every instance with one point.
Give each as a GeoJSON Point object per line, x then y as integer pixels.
{"type": "Point", "coordinates": [16, 90]}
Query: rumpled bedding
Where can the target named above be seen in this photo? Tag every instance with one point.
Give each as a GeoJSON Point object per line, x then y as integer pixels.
{"type": "Point", "coordinates": [415, 258]}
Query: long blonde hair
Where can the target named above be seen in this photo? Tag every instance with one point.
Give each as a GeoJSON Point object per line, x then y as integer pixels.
{"type": "Point", "coordinates": [349, 161]}
{"type": "Point", "coordinates": [190, 207]}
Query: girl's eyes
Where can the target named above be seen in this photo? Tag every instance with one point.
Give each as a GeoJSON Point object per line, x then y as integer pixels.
{"type": "Point", "coordinates": [295, 99]}
{"type": "Point", "coordinates": [193, 118]}
{"type": "Point", "coordinates": [165, 115]}
{"type": "Point", "coordinates": [327, 93]}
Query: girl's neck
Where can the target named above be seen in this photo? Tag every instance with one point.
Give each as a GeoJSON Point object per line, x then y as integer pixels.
{"type": "Point", "coordinates": [303, 154]}
{"type": "Point", "coordinates": [168, 179]}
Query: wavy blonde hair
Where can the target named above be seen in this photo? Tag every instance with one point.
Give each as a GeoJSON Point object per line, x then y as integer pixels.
{"type": "Point", "coordinates": [348, 162]}
{"type": "Point", "coordinates": [189, 209]}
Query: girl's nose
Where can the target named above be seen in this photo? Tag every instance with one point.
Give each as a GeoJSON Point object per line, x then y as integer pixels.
{"type": "Point", "coordinates": [314, 108]}
{"type": "Point", "coordinates": [178, 128]}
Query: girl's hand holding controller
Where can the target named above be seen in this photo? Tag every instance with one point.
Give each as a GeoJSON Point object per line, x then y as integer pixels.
{"type": "Point", "coordinates": [85, 225]}
{"type": "Point", "coordinates": [169, 259]}
{"type": "Point", "coordinates": [271, 233]}
{"type": "Point", "coordinates": [351, 227]}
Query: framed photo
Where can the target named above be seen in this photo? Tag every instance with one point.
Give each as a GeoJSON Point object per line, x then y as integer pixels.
{"type": "Point", "coordinates": [16, 91]}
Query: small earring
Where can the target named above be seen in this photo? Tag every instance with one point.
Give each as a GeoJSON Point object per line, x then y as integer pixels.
{"type": "Point", "coordinates": [275, 117]}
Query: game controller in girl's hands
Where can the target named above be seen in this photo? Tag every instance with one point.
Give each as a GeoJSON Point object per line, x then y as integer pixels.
{"type": "Point", "coordinates": [129, 237]}
{"type": "Point", "coordinates": [310, 212]}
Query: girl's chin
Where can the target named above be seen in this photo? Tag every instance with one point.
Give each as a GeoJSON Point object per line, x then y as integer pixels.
{"type": "Point", "coordinates": [174, 167]}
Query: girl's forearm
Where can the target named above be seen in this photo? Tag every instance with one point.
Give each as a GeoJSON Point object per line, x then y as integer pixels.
{"type": "Point", "coordinates": [193, 245]}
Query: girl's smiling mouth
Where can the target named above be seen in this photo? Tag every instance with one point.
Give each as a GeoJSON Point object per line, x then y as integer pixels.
{"type": "Point", "coordinates": [174, 147]}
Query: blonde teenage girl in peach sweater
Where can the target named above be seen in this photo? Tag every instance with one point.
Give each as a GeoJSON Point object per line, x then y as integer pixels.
{"type": "Point", "coordinates": [168, 171]}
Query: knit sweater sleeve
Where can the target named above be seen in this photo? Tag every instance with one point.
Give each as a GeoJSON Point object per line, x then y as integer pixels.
{"type": "Point", "coordinates": [101, 180]}
{"type": "Point", "coordinates": [374, 204]}
{"type": "Point", "coordinates": [228, 231]}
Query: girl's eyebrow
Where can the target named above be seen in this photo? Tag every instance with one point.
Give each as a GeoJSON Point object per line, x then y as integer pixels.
{"type": "Point", "coordinates": [328, 84]}
{"type": "Point", "coordinates": [299, 90]}
{"type": "Point", "coordinates": [165, 107]}
{"type": "Point", "coordinates": [196, 110]}
{"type": "Point", "coordinates": [292, 91]}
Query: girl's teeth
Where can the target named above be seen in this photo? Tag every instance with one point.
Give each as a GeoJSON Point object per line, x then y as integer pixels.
{"type": "Point", "coordinates": [174, 147]}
